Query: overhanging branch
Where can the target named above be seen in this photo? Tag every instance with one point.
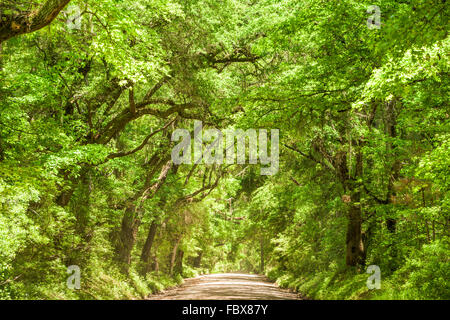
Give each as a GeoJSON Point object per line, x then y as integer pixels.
{"type": "Point", "coordinates": [25, 22]}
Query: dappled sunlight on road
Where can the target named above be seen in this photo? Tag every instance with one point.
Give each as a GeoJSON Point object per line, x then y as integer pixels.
{"type": "Point", "coordinates": [227, 286]}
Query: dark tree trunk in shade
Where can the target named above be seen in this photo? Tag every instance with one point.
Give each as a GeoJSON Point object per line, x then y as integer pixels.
{"type": "Point", "coordinates": [355, 252]}
{"type": "Point", "coordinates": [132, 217]}
{"type": "Point", "coordinates": [127, 237]}
{"type": "Point", "coordinates": [178, 268]}
{"type": "Point", "coordinates": [391, 131]}
{"type": "Point", "coordinates": [198, 260]}
{"type": "Point", "coordinates": [146, 249]}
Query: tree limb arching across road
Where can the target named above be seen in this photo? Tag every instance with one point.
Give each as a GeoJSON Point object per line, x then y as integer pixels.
{"type": "Point", "coordinates": [17, 23]}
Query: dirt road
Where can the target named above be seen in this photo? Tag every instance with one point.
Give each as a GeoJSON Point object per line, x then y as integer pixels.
{"type": "Point", "coordinates": [227, 286]}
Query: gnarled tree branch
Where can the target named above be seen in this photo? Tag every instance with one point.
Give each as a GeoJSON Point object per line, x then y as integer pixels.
{"type": "Point", "coordinates": [26, 22]}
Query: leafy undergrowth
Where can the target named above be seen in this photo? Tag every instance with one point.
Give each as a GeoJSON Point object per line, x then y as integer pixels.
{"type": "Point", "coordinates": [424, 276]}
{"type": "Point", "coordinates": [103, 284]}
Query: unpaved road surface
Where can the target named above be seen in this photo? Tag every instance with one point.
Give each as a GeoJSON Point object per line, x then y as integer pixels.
{"type": "Point", "coordinates": [226, 286]}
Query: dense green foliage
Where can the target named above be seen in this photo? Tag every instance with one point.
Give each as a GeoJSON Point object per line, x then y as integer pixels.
{"type": "Point", "coordinates": [87, 115]}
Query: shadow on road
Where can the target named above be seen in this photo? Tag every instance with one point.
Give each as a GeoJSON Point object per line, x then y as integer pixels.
{"type": "Point", "coordinates": [227, 286]}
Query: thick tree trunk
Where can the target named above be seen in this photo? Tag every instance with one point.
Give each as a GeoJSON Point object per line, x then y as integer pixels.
{"type": "Point", "coordinates": [355, 253]}
{"type": "Point", "coordinates": [132, 217]}
{"type": "Point", "coordinates": [127, 237]}
{"type": "Point", "coordinates": [146, 250]}
{"type": "Point", "coordinates": [145, 255]}
{"type": "Point", "coordinates": [178, 269]}
{"type": "Point", "coordinates": [26, 22]}
{"type": "Point", "coordinates": [198, 260]}
{"type": "Point", "coordinates": [390, 124]}
{"type": "Point", "coordinates": [82, 205]}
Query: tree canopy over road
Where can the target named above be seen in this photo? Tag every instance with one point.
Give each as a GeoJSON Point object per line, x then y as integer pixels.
{"type": "Point", "coordinates": [93, 91]}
